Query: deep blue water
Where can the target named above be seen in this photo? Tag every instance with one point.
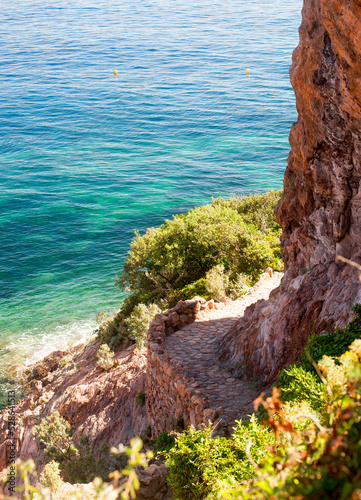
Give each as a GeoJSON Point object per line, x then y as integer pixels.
{"type": "Point", "coordinates": [86, 157]}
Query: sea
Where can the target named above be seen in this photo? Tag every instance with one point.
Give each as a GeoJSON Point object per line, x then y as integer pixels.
{"type": "Point", "coordinates": [116, 115]}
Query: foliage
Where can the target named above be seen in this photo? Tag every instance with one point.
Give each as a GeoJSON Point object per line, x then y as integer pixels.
{"type": "Point", "coordinates": [301, 382]}
{"type": "Point", "coordinates": [322, 461]}
{"type": "Point", "coordinates": [199, 463]}
{"type": "Point", "coordinates": [85, 466]}
{"type": "Point", "coordinates": [97, 490]}
{"type": "Point", "coordinates": [238, 286]}
{"type": "Point", "coordinates": [163, 443]}
{"type": "Point", "coordinates": [140, 398]}
{"type": "Point", "coordinates": [170, 263]}
{"type": "Point", "coordinates": [333, 344]}
{"type": "Point", "coordinates": [56, 434]}
{"type": "Point", "coordinates": [112, 329]}
{"type": "Point", "coordinates": [105, 357]}
{"type": "Point", "coordinates": [128, 325]}
{"type": "Point", "coordinates": [299, 385]}
{"type": "Point", "coordinates": [77, 461]}
{"type": "Point", "coordinates": [257, 209]}
{"type": "Point", "coordinates": [182, 250]}
{"type": "Point", "coordinates": [50, 477]}
{"type": "Point", "coordinates": [217, 282]}
{"type": "Point", "coordinates": [196, 289]}
{"type": "Point", "coordinates": [138, 322]}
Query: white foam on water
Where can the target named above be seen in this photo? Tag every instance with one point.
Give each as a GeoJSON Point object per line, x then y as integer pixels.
{"type": "Point", "coordinates": [33, 345]}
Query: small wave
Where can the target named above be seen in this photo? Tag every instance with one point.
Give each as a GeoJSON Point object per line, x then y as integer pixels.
{"type": "Point", "coordinates": [31, 345]}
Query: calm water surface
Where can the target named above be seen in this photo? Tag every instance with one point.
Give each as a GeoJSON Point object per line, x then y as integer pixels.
{"type": "Point", "coordinates": [86, 157]}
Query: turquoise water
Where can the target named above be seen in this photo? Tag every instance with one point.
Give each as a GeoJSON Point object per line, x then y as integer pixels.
{"type": "Point", "coordinates": [87, 157]}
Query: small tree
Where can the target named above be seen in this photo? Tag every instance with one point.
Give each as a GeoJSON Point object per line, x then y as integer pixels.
{"type": "Point", "coordinates": [55, 433]}
{"type": "Point", "coordinates": [139, 321]}
{"type": "Point", "coordinates": [50, 477]}
{"type": "Point", "coordinates": [105, 357]}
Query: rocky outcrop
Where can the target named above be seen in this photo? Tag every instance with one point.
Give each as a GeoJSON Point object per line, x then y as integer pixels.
{"type": "Point", "coordinates": [153, 483]}
{"type": "Point", "coordinates": [320, 210]}
{"type": "Point", "coordinates": [97, 403]}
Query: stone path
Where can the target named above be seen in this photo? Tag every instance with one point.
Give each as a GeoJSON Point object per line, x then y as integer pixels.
{"type": "Point", "coordinates": [195, 346]}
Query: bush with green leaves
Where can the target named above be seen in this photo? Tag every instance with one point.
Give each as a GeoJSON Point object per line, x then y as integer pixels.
{"type": "Point", "coordinates": [140, 398]}
{"type": "Point", "coordinates": [87, 465]}
{"type": "Point", "coordinates": [77, 461]}
{"type": "Point", "coordinates": [129, 325]}
{"type": "Point", "coordinates": [170, 263]}
{"type": "Point", "coordinates": [217, 282]}
{"type": "Point", "coordinates": [163, 443]}
{"type": "Point", "coordinates": [333, 344]}
{"type": "Point", "coordinates": [238, 286]}
{"type": "Point", "coordinates": [256, 209]}
{"type": "Point", "coordinates": [184, 249]}
{"type": "Point", "coordinates": [196, 289]}
{"type": "Point", "coordinates": [299, 384]}
{"type": "Point", "coordinates": [50, 477]}
{"type": "Point", "coordinates": [138, 322]}
{"type": "Point", "coordinates": [199, 463]}
{"type": "Point", "coordinates": [97, 490]}
{"type": "Point", "coordinates": [105, 357]}
{"type": "Point", "coordinates": [56, 434]}
{"type": "Point", "coordinates": [321, 461]}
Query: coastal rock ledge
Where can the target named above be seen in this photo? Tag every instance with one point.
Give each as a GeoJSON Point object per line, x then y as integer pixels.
{"type": "Point", "coordinates": [320, 210]}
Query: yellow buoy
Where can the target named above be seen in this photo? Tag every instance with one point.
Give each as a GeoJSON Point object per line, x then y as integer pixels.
{"type": "Point", "coordinates": [115, 72]}
{"type": "Point", "coordinates": [247, 71]}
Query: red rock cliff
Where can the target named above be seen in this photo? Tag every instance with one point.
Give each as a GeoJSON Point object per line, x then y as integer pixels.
{"type": "Point", "coordinates": [320, 210]}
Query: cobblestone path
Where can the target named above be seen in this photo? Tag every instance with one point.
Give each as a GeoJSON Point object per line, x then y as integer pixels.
{"type": "Point", "coordinates": [195, 346]}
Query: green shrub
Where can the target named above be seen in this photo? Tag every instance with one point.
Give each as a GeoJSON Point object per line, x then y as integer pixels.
{"type": "Point", "coordinates": [182, 250]}
{"type": "Point", "coordinates": [50, 477]}
{"type": "Point", "coordinates": [140, 398]}
{"type": "Point", "coordinates": [112, 330]}
{"type": "Point", "coordinates": [129, 325]}
{"type": "Point", "coordinates": [97, 490]}
{"type": "Point", "coordinates": [199, 463]}
{"type": "Point", "coordinates": [256, 209]}
{"type": "Point", "coordinates": [238, 286]}
{"type": "Point", "coordinates": [333, 344]}
{"type": "Point", "coordinates": [77, 461]}
{"type": "Point", "coordinates": [163, 443]}
{"type": "Point", "coordinates": [217, 282]}
{"type": "Point", "coordinates": [196, 289]}
{"type": "Point", "coordinates": [300, 382]}
{"type": "Point", "coordinates": [139, 321]}
{"type": "Point", "coordinates": [56, 434]}
{"type": "Point", "coordinates": [87, 465]}
{"type": "Point", "coordinates": [299, 385]}
{"type": "Point", "coordinates": [320, 461]}
{"type": "Point", "coordinates": [170, 263]}
{"type": "Point", "coordinates": [105, 357]}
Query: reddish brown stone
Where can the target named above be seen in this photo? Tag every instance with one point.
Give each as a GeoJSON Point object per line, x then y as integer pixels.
{"type": "Point", "coordinates": [320, 210]}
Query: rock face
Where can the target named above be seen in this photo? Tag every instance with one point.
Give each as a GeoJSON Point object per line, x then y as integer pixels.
{"type": "Point", "coordinates": [320, 210]}
{"type": "Point", "coordinates": [97, 403]}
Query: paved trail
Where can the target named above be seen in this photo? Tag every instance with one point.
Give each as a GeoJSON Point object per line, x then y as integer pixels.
{"type": "Point", "coordinates": [195, 346]}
